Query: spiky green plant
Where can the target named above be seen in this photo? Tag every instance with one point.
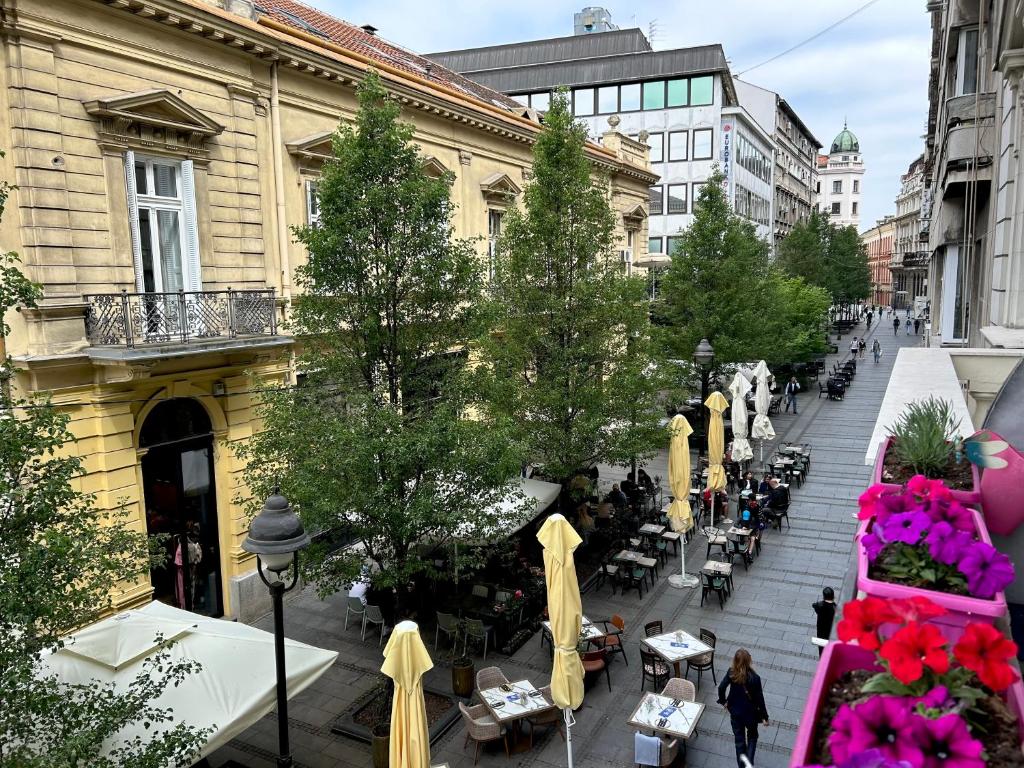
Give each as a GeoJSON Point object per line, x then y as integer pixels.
{"type": "Point", "coordinates": [923, 436]}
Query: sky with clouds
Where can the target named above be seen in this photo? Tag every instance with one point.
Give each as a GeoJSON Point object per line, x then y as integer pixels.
{"type": "Point", "coordinates": [872, 70]}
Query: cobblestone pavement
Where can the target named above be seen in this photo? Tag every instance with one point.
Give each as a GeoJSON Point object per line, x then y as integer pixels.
{"type": "Point", "coordinates": [770, 615]}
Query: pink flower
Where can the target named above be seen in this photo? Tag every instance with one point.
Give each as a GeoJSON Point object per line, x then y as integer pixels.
{"type": "Point", "coordinates": [947, 545]}
{"type": "Point", "coordinates": [906, 527]}
{"type": "Point", "coordinates": [873, 545]}
{"type": "Point", "coordinates": [946, 743]}
{"type": "Point", "coordinates": [937, 698]}
{"type": "Point", "coordinates": [518, 594]}
{"type": "Point", "coordinates": [884, 723]}
{"type": "Point", "coordinates": [938, 490]}
{"type": "Point", "coordinates": [987, 569]}
{"type": "Point", "coordinates": [869, 501]}
{"type": "Point", "coordinates": [952, 512]}
{"type": "Point", "coordinates": [919, 485]}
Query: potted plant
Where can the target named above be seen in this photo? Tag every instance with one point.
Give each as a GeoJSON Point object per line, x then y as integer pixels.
{"type": "Point", "coordinates": [925, 441]}
{"type": "Point", "coordinates": [912, 695]}
{"type": "Point", "coordinates": [463, 676]}
{"type": "Point", "coordinates": [920, 541]}
{"type": "Point", "coordinates": [380, 731]}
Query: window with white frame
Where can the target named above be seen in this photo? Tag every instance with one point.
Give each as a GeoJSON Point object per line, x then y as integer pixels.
{"type": "Point", "coordinates": [162, 218]}
{"type": "Point", "coordinates": [312, 203]}
{"type": "Point", "coordinates": [493, 233]}
{"type": "Point", "coordinates": [677, 145]}
{"type": "Point", "coordinates": [856, 186]}
{"type": "Point", "coordinates": [837, 187]}
{"type": "Point", "coordinates": [967, 62]}
{"type": "Point", "coordinates": [702, 144]}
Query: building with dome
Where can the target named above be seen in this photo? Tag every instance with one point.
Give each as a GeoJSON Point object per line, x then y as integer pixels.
{"type": "Point", "coordinates": [839, 179]}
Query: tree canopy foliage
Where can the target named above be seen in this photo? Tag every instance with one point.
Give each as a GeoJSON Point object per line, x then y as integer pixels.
{"type": "Point", "coordinates": [569, 361]}
{"type": "Point", "coordinates": [828, 256]}
{"type": "Point", "coordinates": [376, 442]}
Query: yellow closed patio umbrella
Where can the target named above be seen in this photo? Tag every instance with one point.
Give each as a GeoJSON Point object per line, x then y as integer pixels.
{"type": "Point", "coordinates": [565, 612]}
{"type": "Point", "coordinates": [405, 661]}
{"type": "Point", "coordinates": [717, 404]}
{"type": "Point", "coordinates": [679, 513]}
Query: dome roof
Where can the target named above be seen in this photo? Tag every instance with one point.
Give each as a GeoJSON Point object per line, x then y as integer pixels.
{"type": "Point", "coordinates": [845, 141]}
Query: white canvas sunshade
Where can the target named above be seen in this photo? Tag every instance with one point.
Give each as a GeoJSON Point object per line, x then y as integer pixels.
{"type": "Point", "coordinates": [235, 688]}
{"type": "Point", "coordinates": [740, 445]}
{"type": "Point", "coordinates": [526, 498]}
{"type": "Point", "coordinates": [762, 429]}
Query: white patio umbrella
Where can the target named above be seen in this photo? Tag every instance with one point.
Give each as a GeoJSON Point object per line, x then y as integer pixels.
{"type": "Point", "coordinates": [762, 429]}
{"type": "Point", "coordinates": [740, 445]}
{"type": "Point", "coordinates": [235, 689]}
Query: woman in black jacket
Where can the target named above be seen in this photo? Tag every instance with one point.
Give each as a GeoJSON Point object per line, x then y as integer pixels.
{"type": "Point", "coordinates": [745, 703]}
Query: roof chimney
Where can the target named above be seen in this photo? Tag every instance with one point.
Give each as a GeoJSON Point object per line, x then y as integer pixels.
{"type": "Point", "coordinates": [369, 29]}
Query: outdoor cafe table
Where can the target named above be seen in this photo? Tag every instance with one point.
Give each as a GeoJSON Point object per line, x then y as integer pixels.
{"type": "Point", "coordinates": [589, 630]}
{"type": "Point", "coordinates": [628, 556]}
{"type": "Point", "coordinates": [734, 531]}
{"type": "Point", "coordinates": [522, 699]}
{"type": "Point", "coordinates": [680, 722]}
{"type": "Point", "coordinates": [722, 569]}
{"type": "Point", "coordinates": [676, 646]}
{"type": "Point", "coordinates": [652, 528]}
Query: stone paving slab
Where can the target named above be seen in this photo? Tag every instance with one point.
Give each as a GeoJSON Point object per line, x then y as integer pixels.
{"type": "Point", "coordinates": [770, 614]}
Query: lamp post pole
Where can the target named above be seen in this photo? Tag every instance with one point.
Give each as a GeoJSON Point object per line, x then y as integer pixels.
{"type": "Point", "coordinates": [276, 536]}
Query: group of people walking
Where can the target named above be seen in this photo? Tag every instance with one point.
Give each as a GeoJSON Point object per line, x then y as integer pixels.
{"type": "Point", "coordinates": [859, 346]}
{"type": "Point", "coordinates": [909, 324]}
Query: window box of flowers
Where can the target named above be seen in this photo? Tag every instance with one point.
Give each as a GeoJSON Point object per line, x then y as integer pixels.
{"type": "Point", "coordinates": [920, 541]}
{"type": "Point", "coordinates": [912, 698]}
{"type": "Point", "coordinates": [925, 441]}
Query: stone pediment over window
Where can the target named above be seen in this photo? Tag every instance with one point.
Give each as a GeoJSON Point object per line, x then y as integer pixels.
{"type": "Point", "coordinates": [499, 189]}
{"type": "Point", "coordinates": [312, 150]}
{"type": "Point", "coordinates": [634, 217]}
{"type": "Point", "coordinates": [153, 120]}
{"type": "Point", "coordinates": [434, 167]}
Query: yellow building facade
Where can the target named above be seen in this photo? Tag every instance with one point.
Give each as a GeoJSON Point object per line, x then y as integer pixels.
{"type": "Point", "coordinates": [162, 150]}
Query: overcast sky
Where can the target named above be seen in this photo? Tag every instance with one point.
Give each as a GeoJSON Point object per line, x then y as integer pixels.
{"type": "Point", "coordinates": [872, 69]}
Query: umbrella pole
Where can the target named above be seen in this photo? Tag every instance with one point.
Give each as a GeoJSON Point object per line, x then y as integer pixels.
{"type": "Point", "coordinates": [570, 721]}
{"type": "Point", "coordinates": [683, 580]}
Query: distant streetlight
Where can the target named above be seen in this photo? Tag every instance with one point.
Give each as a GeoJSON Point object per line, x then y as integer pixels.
{"type": "Point", "coordinates": [276, 536]}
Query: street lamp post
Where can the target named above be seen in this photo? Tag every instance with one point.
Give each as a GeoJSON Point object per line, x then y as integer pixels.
{"type": "Point", "coordinates": [276, 536]}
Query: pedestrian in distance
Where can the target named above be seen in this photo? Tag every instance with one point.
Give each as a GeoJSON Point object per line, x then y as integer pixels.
{"type": "Point", "coordinates": [869, 320]}
{"type": "Point", "coordinates": [876, 350]}
{"type": "Point", "coordinates": [908, 325]}
{"type": "Point", "coordinates": [854, 347]}
{"type": "Point", "coordinates": [917, 326]}
{"type": "Point", "coordinates": [862, 346]}
{"type": "Point", "coordinates": [825, 609]}
{"type": "Point", "coordinates": [792, 387]}
{"type": "Point", "coordinates": [742, 694]}
{"type": "Point", "coordinates": [895, 326]}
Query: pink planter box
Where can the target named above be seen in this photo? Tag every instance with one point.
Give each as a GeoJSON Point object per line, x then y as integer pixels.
{"type": "Point", "coordinates": [972, 496]}
{"type": "Point", "coordinates": [837, 660]}
{"type": "Point", "coordinates": [961, 609]}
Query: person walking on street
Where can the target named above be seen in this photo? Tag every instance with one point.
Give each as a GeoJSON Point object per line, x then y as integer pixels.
{"type": "Point", "coordinates": [854, 347]}
{"type": "Point", "coordinates": [792, 387]}
{"type": "Point", "coordinates": [895, 326]}
{"type": "Point", "coordinates": [876, 350]}
{"type": "Point", "coordinates": [745, 704]}
{"type": "Point", "coordinates": [825, 609]}
{"type": "Point", "coordinates": [862, 345]}
{"type": "Point", "coordinates": [908, 325]}
{"type": "Point", "coordinates": [917, 326]}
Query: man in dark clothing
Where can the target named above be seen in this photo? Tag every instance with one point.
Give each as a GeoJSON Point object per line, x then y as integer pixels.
{"type": "Point", "coordinates": [826, 611]}
{"type": "Point", "coordinates": [792, 387]}
{"type": "Point", "coordinates": [917, 326]}
{"type": "Point", "coordinates": [895, 325]}
{"type": "Point", "coordinates": [616, 497]}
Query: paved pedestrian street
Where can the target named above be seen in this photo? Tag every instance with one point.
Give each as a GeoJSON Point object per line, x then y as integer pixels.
{"type": "Point", "coordinates": [769, 614]}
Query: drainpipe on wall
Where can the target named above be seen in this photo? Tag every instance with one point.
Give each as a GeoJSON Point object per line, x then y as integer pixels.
{"type": "Point", "coordinates": [281, 219]}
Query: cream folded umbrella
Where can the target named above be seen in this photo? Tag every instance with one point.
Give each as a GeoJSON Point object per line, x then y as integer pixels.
{"type": "Point", "coordinates": [565, 612]}
{"type": "Point", "coordinates": [717, 404]}
{"type": "Point", "coordinates": [679, 513]}
{"type": "Point", "coordinates": [406, 661]}
{"type": "Point", "coordinates": [762, 429]}
{"type": "Point", "coordinates": [740, 445]}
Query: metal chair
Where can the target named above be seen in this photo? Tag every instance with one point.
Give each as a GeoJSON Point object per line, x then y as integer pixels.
{"type": "Point", "coordinates": [653, 628]}
{"type": "Point", "coordinates": [476, 629]}
{"type": "Point", "coordinates": [712, 584]}
{"type": "Point", "coordinates": [481, 727]}
{"type": "Point", "coordinates": [678, 688]}
{"type": "Point", "coordinates": [612, 640]}
{"type": "Point", "coordinates": [547, 718]}
{"type": "Point", "coordinates": [354, 606]}
{"type": "Point", "coordinates": [653, 669]}
{"type": "Point", "coordinates": [596, 661]}
{"type": "Point", "coordinates": [704, 661]}
{"type": "Point", "coordinates": [450, 625]}
{"type": "Point", "coordinates": [490, 677]}
{"type": "Point", "coordinates": [607, 572]}
{"type": "Point", "coordinates": [372, 615]}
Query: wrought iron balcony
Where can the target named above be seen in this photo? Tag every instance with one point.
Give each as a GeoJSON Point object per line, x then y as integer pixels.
{"type": "Point", "coordinates": [133, 319]}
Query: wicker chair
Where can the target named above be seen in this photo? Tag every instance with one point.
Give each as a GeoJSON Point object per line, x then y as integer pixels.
{"type": "Point", "coordinates": [705, 661]}
{"type": "Point", "coordinates": [490, 677]}
{"type": "Point", "coordinates": [678, 688]}
{"type": "Point", "coordinates": [652, 668]}
{"type": "Point", "coordinates": [547, 718]}
{"type": "Point", "coordinates": [481, 728]}
{"type": "Point", "coordinates": [669, 751]}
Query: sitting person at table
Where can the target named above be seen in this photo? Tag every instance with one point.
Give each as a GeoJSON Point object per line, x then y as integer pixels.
{"type": "Point", "coordinates": [616, 497]}
{"type": "Point", "coordinates": [748, 483]}
{"type": "Point", "coordinates": [765, 485]}
{"type": "Point", "coordinates": [721, 503]}
{"type": "Point", "coordinates": [645, 482]}
{"type": "Point", "coordinates": [629, 487]}
{"type": "Point", "coordinates": [584, 522]}
{"type": "Point", "coordinates": [778, 497]}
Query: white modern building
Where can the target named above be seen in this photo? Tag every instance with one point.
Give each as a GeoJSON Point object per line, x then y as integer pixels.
{"type": "Point", "coordinates": [681, 101]}
{"type": "Point", "coordinates": [839, 180]}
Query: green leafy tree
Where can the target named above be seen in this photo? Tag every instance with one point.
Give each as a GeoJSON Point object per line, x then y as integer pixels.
{"type": "Point", "coordinates": [59, 562]}
{"type": "Point", "coordinates": [570, 361]}
{"type": "Point", "coordinates": [802, 253]}
{"type": "Point", "coordinates": [377, 442]}
{"type": "Point", "coordinates": [828, 256]}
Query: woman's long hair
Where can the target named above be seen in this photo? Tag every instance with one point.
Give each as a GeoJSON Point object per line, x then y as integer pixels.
{"type": "Point", "coordinates": [740, 670]}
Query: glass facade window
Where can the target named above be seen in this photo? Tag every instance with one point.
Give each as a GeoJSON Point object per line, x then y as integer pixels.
{"type": "Point", "coordinates": [629, 97]}
{"type": "Point", "coordinates": [656, 141]}
{"type": "Point", "coordinates": [678, 142]}
{"type": "Point", "coordinates": [583, 101]}
{"type": "Point", "coordinates": [752, 206]}
{"type": "Point", "coordinates": [608, 99]}
{"type": "Point", "coordinates": [702, 144]}
{"type": "Point", "coordinates": [522, 98]}
{"type": "Point", "coordinates": [673, 245]}
{"type": "Point", "coordinates": [654, 245]}
{"type": "Point", "coordinates": [695, 194]}
{"type": "Point", "coordinates": [702, 90]}
{"type": "Point", "coordinates": [967, 62]}
{"type": "Point", "coordinates": [540, 101]}
{"type": "Point", "coordinates": [677, 198]}
{"type": "Point", "coordinates": [835, 209]}
{"type": "Point", "coordinates": [837, 187]}
{"type": "Point", "coordinates": [754, 160]}
{"type": "Point", "coordinates": [678, 92]}
{"type": "Point", "coordinates": [655, 204]}
{"type": "Point", "coordinates": [654, 95]}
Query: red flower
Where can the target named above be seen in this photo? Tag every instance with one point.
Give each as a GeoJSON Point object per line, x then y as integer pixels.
{"type": "Point", "coordinates": [913, 648]}
{"type": "Point", "coordinates": [869, 501]}
{"type": "Point", "coordinates": [916, 608]}
{"type": "Point", "coordinates": [985, 650]}
{"type": "Point", "coordinates": [862, 620]}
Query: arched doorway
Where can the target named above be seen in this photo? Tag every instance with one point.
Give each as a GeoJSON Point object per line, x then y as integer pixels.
{"type": "Point", "coordinates": [181, 505]}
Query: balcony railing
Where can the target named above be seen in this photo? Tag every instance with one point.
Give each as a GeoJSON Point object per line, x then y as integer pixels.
{"type": "Point", "coordinates": [131, 319]}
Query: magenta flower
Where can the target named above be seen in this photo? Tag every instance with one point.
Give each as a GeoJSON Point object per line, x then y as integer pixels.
{"type": "Point", "coordinates": [906, 527]}
{"type": "Point", "coordinates": [947, 545]}
{"type": "Point", "coordinates": [946, 743]}
{"type": "Point", "coordinates": [987, 569]}
{"type": "Point", "coordinates": [937, 698]}
{"type": "Point", "coordinates": [884, 723]}
{"type": "Point", "coordinates": [869, 501]}
{"type": "Point", "coordinates": [873, 545]}
{"type": "Point", "coordinates": [952, 512]}
{"type": "Point", "coordinates": [919, 485]}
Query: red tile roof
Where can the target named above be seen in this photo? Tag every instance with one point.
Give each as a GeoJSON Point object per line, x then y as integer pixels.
{"type": "Point", "coordinates": [312, 21]}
